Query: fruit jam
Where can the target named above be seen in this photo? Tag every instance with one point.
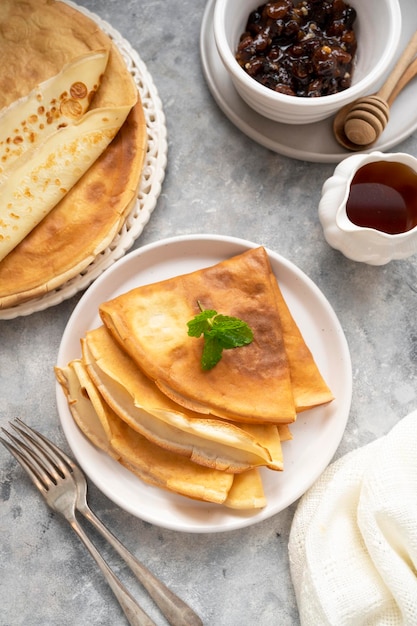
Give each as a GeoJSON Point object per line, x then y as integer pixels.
{"type": "Point", "coordinates": [383, 196]}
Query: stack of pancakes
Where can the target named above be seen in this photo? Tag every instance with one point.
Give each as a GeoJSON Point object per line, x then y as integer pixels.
{"type": "Point", "coordinates": [38, 38]}
{"type": "Point", "coordinates": [139, 391]}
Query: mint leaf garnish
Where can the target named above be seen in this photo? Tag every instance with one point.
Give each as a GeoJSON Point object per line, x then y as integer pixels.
{"type": "Point", "coordinates": [200, 323]}
{"type": "Point", "coordinates": [220, 332]}
{"type": "Point", "coordinates": [212, 352]}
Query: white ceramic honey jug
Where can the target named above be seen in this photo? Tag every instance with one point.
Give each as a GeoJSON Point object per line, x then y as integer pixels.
{"type": "Point", "coordinates": [363, 243]}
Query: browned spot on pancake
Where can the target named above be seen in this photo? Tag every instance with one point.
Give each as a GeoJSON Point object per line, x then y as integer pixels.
{"type": "Point", "coordinates": [71, 108]}
{"type": "Point", "coordinates": [95, 191]}
{"type": "Point", "coordinates": [78, 90]}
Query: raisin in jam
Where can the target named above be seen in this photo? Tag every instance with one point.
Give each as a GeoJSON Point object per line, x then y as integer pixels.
{"type": "Point", "coordinates": [303, 50]}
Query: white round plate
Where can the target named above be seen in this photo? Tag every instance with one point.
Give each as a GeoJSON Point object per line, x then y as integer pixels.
{"type": "Point", "coordinates": [317, 433]}
{"type": "Point", "coordinates": [310, 142]}
{"type": "Point", "coordinates": [152, 176]}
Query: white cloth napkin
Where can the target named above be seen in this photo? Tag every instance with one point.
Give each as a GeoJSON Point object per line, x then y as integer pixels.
{"type": "Point", "coordinates": [353, 541]}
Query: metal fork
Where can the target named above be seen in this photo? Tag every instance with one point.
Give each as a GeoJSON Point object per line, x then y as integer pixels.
{"type": "Point", "coordinates": [64, 488]}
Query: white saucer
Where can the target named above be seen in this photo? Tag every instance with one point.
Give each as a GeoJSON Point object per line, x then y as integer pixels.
{"type": "Point", "coordinates": [310, 142]}
{"type": "Point", "coordinates": [317, 433]}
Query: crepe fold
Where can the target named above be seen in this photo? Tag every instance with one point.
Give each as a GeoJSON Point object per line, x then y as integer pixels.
{"type": "Point", "coordinates": [308, 385]}
{"type": "Point", "coordinates": [134, 397]}
{"type": "Point", "coordinates": [139, 393]}
{"type": "Point", "coordinates": [44, 175]}
{"type": "Point", "coordinates": [84, 222]}
{"type": "Point", "coordinates": [54, 104]}
{"type": "Point", "coordinates": [38, 39]}
{"type": "Point", "coordinates": [154, 465]}
{"type": "Point", "coordinates": [250, 384]}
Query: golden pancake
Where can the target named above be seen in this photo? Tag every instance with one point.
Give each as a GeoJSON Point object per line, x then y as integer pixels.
{"type": "Point", "coordinates": [44, 175]}
{"type": "Point", "coordinates": [83, 224]}
{"type": "Point", "coordinates": [136, 399]}
{"type": "Point", "coordinates": [251, 383]}
{"type": "Point", "coordinates": [118, 381]}
{"type": "Point", "coordinates": [154, 465]}
{"type": "Point", "coordinates": [308, 385]}
{"type": "Point", "coordinates": [247, 491]}
{"type": "Point", "coordinates": [284, 432]}
{"type": "Point", "coordinates": [37, 38]}
{"type": "Point", "coordinates": [167, 470]}
{"type": "Point", "coordinates": [54, 104]}
{"type": "Point", "coordinates": [90, 413]}
{"type": "Point", "coordinates": [268, 435]}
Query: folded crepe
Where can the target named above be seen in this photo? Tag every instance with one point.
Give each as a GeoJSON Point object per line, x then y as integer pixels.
{"type": "Point", "coordinates": [110, 384]}
{"type": "Point", "coordinates": [44, 175]}
{"type": "Point", "coordinates": [252, 383]}
{"type": "Point", "coordinates": [37, 39]}
{"type": "Point", "coordinates": [247, 491]}
{"type": "Point", "coordinates": [137, 401]}
{"type": "Point", "coordinates": [308, 385]}
{"type": "Point", "coordinates": [52, 105]}
{"type": "Point", "coordinates": [83, 224]}
{"type": "Point", "coordinates": [152, 464]}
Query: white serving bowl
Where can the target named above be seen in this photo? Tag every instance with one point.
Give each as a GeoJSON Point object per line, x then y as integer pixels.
{"type": "Point", "coordinates": [359, 243]}
{"type": "Point", "coordinates": [377, 28]}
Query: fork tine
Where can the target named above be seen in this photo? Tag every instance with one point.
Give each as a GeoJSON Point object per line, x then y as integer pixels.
{"type": "Point", "coordinates": [52, 457]}
{"type": "Point", "coordinates": [49, 467]}
{"type": "Point", "coordinates": [45, 446]}
{"type": "Point", "coordinates": [42, 459]}
{"type": "Point", "coordinates": [23, 461]}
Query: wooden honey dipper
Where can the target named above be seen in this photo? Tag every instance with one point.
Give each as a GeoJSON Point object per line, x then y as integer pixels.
{"type": "Point", "coordinates": [360, 123]}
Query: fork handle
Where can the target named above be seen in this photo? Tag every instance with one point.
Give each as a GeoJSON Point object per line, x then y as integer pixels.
{"type": "Point", "coordinates": [135, 615]}
{"type": "Point", "coordinates": [176, 611]}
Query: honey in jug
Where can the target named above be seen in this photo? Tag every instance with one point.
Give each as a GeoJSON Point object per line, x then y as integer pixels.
{"type": "Point", "coordinates": [383, 196]}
